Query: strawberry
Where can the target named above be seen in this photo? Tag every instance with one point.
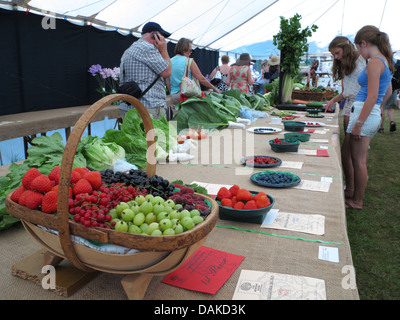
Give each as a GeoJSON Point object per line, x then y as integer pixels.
{"type": "Point", "coordinates": [259, 195]}
{"type": "Point", "coordinates": [234, 189]}
{"type": "Point", "coordinates": [49, 202]}
{"type": "Point", "coordinates": [81, 171]}
{"type": "Point", "coordinates": [250, 205]}
{"type": "Point", "coordinates": [75, 177]}
{"type": "Point", "coordinates": [54, 175]}
{"type": "Point", "coordinates": [22, 198]}
{"type": "Point", "coordinates": [41, 183]}
{"type": "Point", "coordinates": [94, 178]}
{"type": "Point", "coordinates": [17, 193]}
{"type": "Point", "coordinates": [244, 194]}
{"type": "Point", "coordinates": [55, 188]}
{"type": "Point", "coordinates": [28, 177]}
{"type": "Point", "coordinates": [82, 186]}
{"type": "Point", "coordinates": [226, 202]}
{"type": "Point", "coordinates": [223, 192]}
{"type": "Point", "coordinates": [239, 205]}
{"type": "Point", "coordinates": [262, 202]}
{"type": "Point", "coordinates": [234, 200]}
{"type": "Point", "coordinates": [33, 199]}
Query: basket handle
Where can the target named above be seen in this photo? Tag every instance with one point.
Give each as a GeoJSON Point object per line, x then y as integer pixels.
{"type": "Point", "coordinates": [68, 159]}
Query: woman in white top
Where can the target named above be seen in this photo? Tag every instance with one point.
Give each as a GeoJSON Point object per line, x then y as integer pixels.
{"type": "Point", "coordinates": [347, 65]}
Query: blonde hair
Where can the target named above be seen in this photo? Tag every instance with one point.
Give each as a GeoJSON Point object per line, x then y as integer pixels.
{"type": "Point", "coordinates": [373, 35]}
{"type": "Point", "coordinates": [345, 66]}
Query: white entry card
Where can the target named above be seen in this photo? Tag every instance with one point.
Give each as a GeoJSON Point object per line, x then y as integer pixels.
{"type": "Point", "coordinates": [307, 223]}
{"type": "Point", "coordinates": [328, 254]}
{"type": "Point", "coordinates": [259, 285]}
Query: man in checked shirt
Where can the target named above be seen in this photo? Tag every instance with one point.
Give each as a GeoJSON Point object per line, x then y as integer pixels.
{"type": "Point", "coordinates": [144, 61]}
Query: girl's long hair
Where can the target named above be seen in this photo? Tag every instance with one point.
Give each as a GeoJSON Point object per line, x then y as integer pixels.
{"type": "Point", "coordinates": [345, 66]}
{"type": "Point", "coordinates": [378, 38]}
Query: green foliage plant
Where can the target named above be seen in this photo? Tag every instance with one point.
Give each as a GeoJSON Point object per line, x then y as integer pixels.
{"type": "Point", "coordinates": [291, 40]}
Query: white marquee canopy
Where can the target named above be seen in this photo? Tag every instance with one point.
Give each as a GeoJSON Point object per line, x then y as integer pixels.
{"type": "Point", "coordinates": [222, 25]}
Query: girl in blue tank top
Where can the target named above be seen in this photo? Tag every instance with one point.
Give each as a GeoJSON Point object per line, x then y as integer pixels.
{"type": "Point", "coordinates": [365, 117]}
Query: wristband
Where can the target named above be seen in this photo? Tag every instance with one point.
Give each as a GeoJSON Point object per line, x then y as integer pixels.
{"type": "Point", "coordinates": [359, 122]}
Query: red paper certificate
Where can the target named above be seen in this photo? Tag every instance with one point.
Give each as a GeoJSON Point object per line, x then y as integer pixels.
{"type": "Point", "coordinates": [205, 271]}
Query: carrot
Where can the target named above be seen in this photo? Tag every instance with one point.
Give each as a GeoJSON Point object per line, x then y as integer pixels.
{"type": "Point", "coordinates": [297, 101]}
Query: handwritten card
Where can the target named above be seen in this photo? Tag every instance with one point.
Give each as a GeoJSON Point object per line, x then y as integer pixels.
{"type": "Point", "coordinates": [306, 223]}
{"type": "Point", "coordinates": [328, 254]}
{"type": "Point", "coordinates": [322, 153]}
{"type": "Point", "coordinates": [292, 164]}
{"type": "Point", "coordinates": [311, 185]}
{"type": "Point", "coordinates": [314, 152]}
{"type": "Point", "coordinates": [259, 285]}
{"type": "Point", "coordinates": [205, 271]}
{"type": "Point", "coordinates": [319, 140]}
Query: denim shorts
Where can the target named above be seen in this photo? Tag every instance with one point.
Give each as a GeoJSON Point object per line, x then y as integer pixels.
{"type": "Point", "coordinates": [371, 125]}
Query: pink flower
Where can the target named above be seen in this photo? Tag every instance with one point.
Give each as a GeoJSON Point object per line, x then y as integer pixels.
{"type": "Point", "coordinates": [115, 73]}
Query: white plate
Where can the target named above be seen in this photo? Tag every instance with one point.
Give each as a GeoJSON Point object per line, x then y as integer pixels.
{"type": "Point", "coordinates": [264, 130]}
{"type": "Point", "coordinates": [314, 123]}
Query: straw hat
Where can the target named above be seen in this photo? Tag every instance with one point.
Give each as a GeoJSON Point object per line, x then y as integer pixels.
{"type": "Point", "coordinates": [244, 59]}
{"type": "Point", "coordinates": [264, 62]}
{"type": "Point", "coordinates": [274, 60]}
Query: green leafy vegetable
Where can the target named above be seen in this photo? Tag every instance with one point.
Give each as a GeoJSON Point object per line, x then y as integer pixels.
{"type": "Point", "coordinates": [239, 96]}
{"type": "Point", "coordinates": [292, 41]}
{"type": "Point", "coordinates": [101, 155]}
{"type": "Point", "coordinates": [132, 138]}
{"type": "Point", "coordinates": [202, 112]}
{"type": "Point", "coordinates": [46, 152]}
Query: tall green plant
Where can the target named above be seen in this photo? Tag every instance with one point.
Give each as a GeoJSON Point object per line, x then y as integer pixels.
{"type": "Point", "coordinates": [291, 40]}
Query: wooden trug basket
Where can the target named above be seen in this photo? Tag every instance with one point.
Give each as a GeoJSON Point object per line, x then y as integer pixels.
{"type": "Point", "coordinates": [158, 255]}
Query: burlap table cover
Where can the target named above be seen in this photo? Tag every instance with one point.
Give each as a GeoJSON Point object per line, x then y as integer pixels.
{"type": "Point", "coordinates": [269, 253]}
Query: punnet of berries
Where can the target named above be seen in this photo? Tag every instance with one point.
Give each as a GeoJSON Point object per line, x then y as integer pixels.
{"type": "Point", "coordinates": [124, 201]}
{"type": "Point", "coordinates": [280, 141]}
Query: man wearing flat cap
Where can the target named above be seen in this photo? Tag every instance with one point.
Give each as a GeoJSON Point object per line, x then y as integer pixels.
{"type": "Point", "coordinates": [145, 61]}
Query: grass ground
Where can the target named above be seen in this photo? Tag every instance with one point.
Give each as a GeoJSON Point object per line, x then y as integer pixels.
{"type": "Point", "coordinates": [374, 232]}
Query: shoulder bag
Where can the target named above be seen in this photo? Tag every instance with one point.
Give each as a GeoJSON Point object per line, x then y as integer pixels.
{"type": "Point", "coordinates": [189, 87]}
{"type": "Point", "coordinates": [217, 78]}
{"type": "Point", "coordinates": [133, 89]}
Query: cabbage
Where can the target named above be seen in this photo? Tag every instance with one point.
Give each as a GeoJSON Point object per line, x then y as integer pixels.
{"type": "Point", "coordinates": [101, 155]}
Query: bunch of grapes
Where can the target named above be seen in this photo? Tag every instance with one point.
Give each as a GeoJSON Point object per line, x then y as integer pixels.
{"type": "Point", "coordinates": [155, 185]}
{"type": "Point", "coordinates": [152, 215]}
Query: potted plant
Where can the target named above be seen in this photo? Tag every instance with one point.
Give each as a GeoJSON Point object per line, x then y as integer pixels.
{"type": "Point", "coordinates": [291, 40]}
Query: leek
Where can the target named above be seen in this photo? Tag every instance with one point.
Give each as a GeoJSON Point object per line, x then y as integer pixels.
{"type": "Point", "coordinates": [287, 87]}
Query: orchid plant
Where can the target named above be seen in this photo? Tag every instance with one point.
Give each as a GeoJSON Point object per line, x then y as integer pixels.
{"type": "Point", "coordinates": [107, 78]}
